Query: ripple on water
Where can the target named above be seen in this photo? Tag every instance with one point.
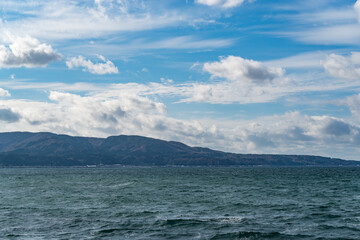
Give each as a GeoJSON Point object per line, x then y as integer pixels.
{"type": "Point", "coordinates": [180, 203]}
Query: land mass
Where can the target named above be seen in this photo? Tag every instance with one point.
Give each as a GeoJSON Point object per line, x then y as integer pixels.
{"type": "Point", "coordinates": [48, 149]}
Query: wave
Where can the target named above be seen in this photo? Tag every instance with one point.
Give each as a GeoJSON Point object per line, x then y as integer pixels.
{"type": "Point", "coordinates": [121, 185]}
{"type": "Point", "coordinates": [249, 235]}
{"type": "Point", "coordinates": [200, 220]}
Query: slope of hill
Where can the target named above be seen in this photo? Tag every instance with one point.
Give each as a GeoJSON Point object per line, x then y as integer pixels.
{"type": "Point", "coordinates": [48, 149]}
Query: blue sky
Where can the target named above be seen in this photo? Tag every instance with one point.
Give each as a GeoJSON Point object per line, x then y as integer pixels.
{"type": "Point", "coordinates": [247, 76]}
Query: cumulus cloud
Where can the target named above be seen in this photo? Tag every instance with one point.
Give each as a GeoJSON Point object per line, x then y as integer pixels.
{"type": "Point", "coordinates": [7, 115]}
{"type": "Point", "coordinates": [343, 67]}
{"type": "Point", "coordinates": [239, 69]}
{"type": "Point", "coordinates": [241, 80]}
{"type": "Point", "coordinates": [107, 67]}
{"type": "Point", "coordinates": [222, 3]}
{"type": "Point", "coordinates": [102, 115]}
{"type": "Point", "coordinates": [26, 52]}
{"type": "Point", "coordinates": [96, 115]}
{"type": "Point", "coordinates": [4, 93]}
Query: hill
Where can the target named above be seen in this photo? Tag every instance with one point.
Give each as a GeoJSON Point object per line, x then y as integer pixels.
{"type": "Point", "coordinates": [48, 149]}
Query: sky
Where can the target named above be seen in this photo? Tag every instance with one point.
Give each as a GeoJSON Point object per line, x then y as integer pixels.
{"type": "Point", "coordinates": [245, 76]}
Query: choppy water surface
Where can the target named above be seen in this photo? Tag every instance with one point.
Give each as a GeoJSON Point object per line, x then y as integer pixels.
{"type": "Point", "coordinates": [180, 203]}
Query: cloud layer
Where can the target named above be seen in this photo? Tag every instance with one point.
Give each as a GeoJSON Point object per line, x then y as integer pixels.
{"type": "Point", "coordinates": [325, 24]}
{"type": "Point", "coordinates": [60, 19]}
{"type": "Point", "coordinates": [103, 114]}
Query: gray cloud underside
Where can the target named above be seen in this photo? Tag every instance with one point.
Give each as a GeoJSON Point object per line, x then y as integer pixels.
{"type": "Point", "coordinates": [7, 115]}
{"type": "Point", "coordinates": [32, 58]}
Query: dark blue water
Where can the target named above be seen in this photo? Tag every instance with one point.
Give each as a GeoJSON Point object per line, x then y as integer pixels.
{"type": "Point", "coordinates": [180, 203]}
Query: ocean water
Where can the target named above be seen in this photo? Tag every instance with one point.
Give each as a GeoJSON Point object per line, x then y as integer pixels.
{"type": "Point", "coordinates": [180, 203]}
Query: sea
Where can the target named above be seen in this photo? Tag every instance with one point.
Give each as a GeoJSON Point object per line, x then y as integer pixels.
{"type": "Point", "coordinates": [180, 203]}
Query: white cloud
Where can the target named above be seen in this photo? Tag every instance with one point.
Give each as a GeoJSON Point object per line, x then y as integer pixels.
{"type": "Point", "coordinates": [304, 60]}
{"type": "Point", "coordinates": [324, 14]}
{"type": "Point", "coordinates": [209, 2]}
{"type": "Point", "coordinates": [66, 19]}
{"type": "Point", "coordinates": [357, 9]}
{"type": "Point", "coordinates": [243, 81]}
{"type": "Point", "coordinates": [4, 93]}
{"type": "Point", "coordinates": [343, 67]}
{"type": "Point", "coordinates": [227, 92]}
{"type": "Point", "coordinates": [353, 103]}
{"type": "Point", "coordinates": [239, 69]}
{"type": "Point", "coordinates": [326, 25]}
{"type": "Point", "coordinates": [139, 45]}
{"type": "Point", "coordinates": [107, 67]}
{"type": "Point", "coordinates": [187, 42]}
{"type": "Point", "coordinates": [222, 3]}
{"type": "Point", "coordinates": [348, 34]}
{"type": "Point", "coordinates": [26, 52]}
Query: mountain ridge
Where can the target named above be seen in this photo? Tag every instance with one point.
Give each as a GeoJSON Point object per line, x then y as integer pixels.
{"type": "Point", "coordinates": [50, 149]}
